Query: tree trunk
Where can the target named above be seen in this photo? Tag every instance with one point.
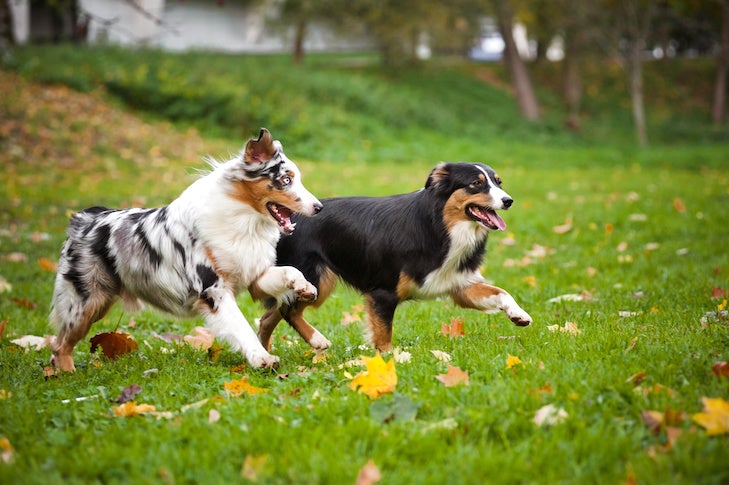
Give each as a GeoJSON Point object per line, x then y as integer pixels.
{"type": "Point", "coordinates": [520, 80]}
{"type": "Point", "coordinates": [299, 37]}
{"type": "Point", "coordinates": [6, 26]}
{"type": "Point", "coordinates": [571, 79]}
{"type": "Point", "coordinates": [635, 68]}
{"type": "Point", "coordinates": [718, 110]}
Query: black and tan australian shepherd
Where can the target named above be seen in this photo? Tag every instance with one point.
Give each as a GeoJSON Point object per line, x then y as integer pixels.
{"type": "Point", "coordinates": [421, 245]}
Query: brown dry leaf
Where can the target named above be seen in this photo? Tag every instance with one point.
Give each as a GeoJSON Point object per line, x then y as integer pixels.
{"type": "Point", "coordinates": [720, 369]}
{"type": "Point", "coordinates": [3, 324]}
{"type": "Point", "coordinates": [636, 378]}
{"type": "Point", "coordinates": [653, 420]}
{"type": "Point", "coordinates": [131, 408]}
{"type": "Point", "coordinates": [454, 377]}
{"type": "Point", "coordinates": [563, 228]}
{"type": "Point", "coordinates": [47, 265]}
{"type": "Point", "coordinates": [201, 338]}
{"type": "Point", "coordinates": [679, 205]}
{"type": "Point", "coordinates": [237, 387]}
{"type": "Point", "coordinates": [453, 329]}
{"type": "Point", "coordinates": [113, 344]}
{"type": "Point", "coordinates": [368, 474]}
{"type": "Point", "coordinates": [128, 393]}
{"type": "Point", "coordinates": [715, 416]}
{"type": "Point", "coordinates": [253, 466]}
{"type": "Point", "coordinates": [23, 303]}
{"type": "Point", "coordinates": [719, 293]}
{"type": "Point", "coordinates": [379, 378]}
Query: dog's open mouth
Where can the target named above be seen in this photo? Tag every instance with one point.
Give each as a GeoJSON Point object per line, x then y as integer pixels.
{"type": "Point", "coordinates": [282, 214]}
{"type": "Point", "coordinates": [487, 217]}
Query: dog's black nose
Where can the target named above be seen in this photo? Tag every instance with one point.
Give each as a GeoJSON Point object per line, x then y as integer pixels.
{"type": "Point", "coordinates": [507, 201]}
{"type": "Point", "coordinates": [317, 207]}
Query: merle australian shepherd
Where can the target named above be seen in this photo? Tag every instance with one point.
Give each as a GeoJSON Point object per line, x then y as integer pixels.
{"type": "Point", "coordinates": [190, 257]}
{"type": "Point", "coordinates": [420, 245]}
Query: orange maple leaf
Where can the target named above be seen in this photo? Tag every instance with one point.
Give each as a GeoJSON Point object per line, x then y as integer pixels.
{"type": "Point", "coordinates": [715, 417]}
{"type": "Point", "coordinates": [237, 387]}
{"type": "Point", "coordinates": [46, 264]}
{"type": "Point", "coordinates": [113, 344]}
{"type": "Point", "coordinates": [348, 318]}
{"type": "Point", "coordinates": [131, 408]}
{"type": "Point", "coordinates": [379, 378]}
{"type": "Point", "coordinates": [201, 338]}
{"type": "Point", "coordinates": [454, 377]}
{"type": "Point", "coordinates": [454, 329]}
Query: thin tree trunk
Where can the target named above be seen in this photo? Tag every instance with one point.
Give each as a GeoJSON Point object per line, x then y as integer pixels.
{"type": "Point", "coordinates": [6, 26]}
{"type": "Point", "coordinates": [635, 67]}
{"type": "Point", "coordinates": [299, 37]}
{"type": "Point", "coordinates": [520, 80]}
{"type": "Point", "coordinates": [571, 79]}
{"type": "Point", "coordinates": [718, 110]}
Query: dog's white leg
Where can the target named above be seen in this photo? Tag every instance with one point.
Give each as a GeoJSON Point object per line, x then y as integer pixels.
{"type": "Point", "coordinates": [225, 319]}
{"type": "Point", "coordinates": [490, 299]}
{"type": "Point", "coordinates": [284, 283]}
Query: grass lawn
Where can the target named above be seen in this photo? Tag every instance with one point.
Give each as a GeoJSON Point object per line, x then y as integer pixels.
{"type": "Point", "coordinates": [639, 235]}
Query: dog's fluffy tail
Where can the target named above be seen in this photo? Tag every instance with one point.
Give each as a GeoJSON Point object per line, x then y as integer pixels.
{"type": "Point", "coordinates": [80, 221]}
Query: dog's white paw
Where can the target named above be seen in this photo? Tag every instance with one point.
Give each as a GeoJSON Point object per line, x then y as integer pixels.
{"type": "Point", "coordinates": [319, 341]}
{"type": "Point", "coordinates": [519, 316]}
{"type": "Point", "coordinates": [263, 360]}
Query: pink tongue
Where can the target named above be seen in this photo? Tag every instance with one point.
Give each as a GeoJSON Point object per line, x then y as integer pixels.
{"type": "Point", "coordinates": [494, 218]}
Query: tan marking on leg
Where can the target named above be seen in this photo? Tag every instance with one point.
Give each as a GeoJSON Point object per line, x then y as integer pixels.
{"type": "Point", "coordinates": [327, 283]}
{"type": "Point", "coordinates": [62, 346]}
{"type": "Point", "coordinates": [470, 296]}
{"type": "Point", "coordinates": [268, 323]}
{"type": "Point", "coordinates": [405, 287]}
{"type": "Point", "coordinates": [380, 333]}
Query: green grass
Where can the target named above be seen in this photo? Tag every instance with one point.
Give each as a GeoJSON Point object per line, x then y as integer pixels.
{"type": "Point", "coordinates": [61, 151]}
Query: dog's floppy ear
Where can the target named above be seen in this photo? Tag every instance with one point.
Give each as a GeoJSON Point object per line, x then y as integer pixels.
{"type": "Point", "coordinates": [439, 178]}
{"type": "Point", "coordinates": [261, 150]}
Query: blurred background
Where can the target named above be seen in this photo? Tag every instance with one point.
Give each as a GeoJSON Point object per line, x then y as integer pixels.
{"type": "Point", "coordinates": [626, 72]}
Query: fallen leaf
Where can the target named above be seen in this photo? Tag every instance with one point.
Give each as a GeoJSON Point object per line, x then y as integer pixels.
{"type": "Point", "coordinates": [28, 341]}
{"type": "Point", "coordinates": [215, 351]}
{"type": "Point", "coordinates": [5, 286]}
{"type": "Point", "coordinates": [7, 453]}
{"type": "Point", "coordinates": [319, 356]}
{"type": "Point", "coordinates": [201, 338]}
{"type": "Point", "coordinates": [368, 474]}
{"type": "Point", "coordinates": [453, 329]}
{"type": "Point", "coordinates": [563, 228]}
{"type": "Point", "coordinates": [253, 466]}
{"type": "Point", "coordinates": [720, 369]}
{"type": "Point", "coordinates": [636, 378]}
{"type": "Point", "coordinates": [401, 356]}
{"type": "Point", "coordinates": [113, 344]}
{"type": "Point", "coordinates": [569, 327]}
{"type": "Point", "coordinates": [23, 303]}
{"type": "Point", "coordinates": [454, 377]}
{"type": "Point", "coordinates": [47, 265]}
{"type": "Point", "coordinates": [653, 420]}
{"type": "Point", "coordinates": [632, 344]}
{"type": "Point", "coordinates": [609, 228]}
{"type": "Point", "coordinates": [399, 409]}
{"type": "Point", "coordinates": [237, 387]}
{"type": "Point", "coordinates": [213, 416]}
{"type": "Point", "coordinates": [530, 280]}
{"type": "Point", "coordinates": [2, 327]}
{"type": "Point", "coordinates": [16, 257]}
{"type": "Point", "coordinates": [128, 393]}
{"type": "Point", "coordinates": [441, 356]}
{"type": "Point", "coordinates": [5, 394]}
{"type": "Point", "coordinates": [719, 293]}
{"type": "Point", "coordinates": [131, 408]}
{"type": "Point", "coordinates": [549, 415]}
{"type": "Point", "coordinates": [512, 360]}
{"type": "Point", "coordinates": [348, 318]}
{"type": "Point", "coordinates": [715, 416]}
{"type": "Point", "coordinates": [379, 378]}
{"type": "Point", "coordinates": [582, 296]}
{"type": "Point", "coordinates": [679, 205]}
{"type": "Point", "coordinates": [721, 306]}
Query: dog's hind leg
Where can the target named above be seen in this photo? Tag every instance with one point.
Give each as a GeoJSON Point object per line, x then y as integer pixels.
{"type": "Point", "coordinates": [490, 299]}
{"type": "Point", "coordinates": [73, 316]}
{"type": "Point", "coordinates": [380, 307]}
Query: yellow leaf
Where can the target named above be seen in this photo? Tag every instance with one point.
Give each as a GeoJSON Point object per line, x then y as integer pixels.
{"type": "Point", "coordinates": [131, 408]}
{"type": "Point", "coordinates": [721, 306]}
{"type": "Point", "coordinates": [715, 418]}
{"type": "Point", "coordinates": [7, 453]}
{"type": "Point", "coordinates": [237, 387]}
{"type": "Point", "coordinates": [379, 378]}
{"type": "Point", "coordinates": [319, 356]}
{"type": "Point", "coordinates": [530, 280]}
{"type": "Point", "coordinates": [512, 360]}
{"type": "Point", "coordinates": [253, 466]}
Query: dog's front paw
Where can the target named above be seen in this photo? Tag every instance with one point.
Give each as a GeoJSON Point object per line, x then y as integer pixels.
{"type": "Point", "coordinates": [319, 341]}
{"type": "Point", "coordinates": [519, 317]}
{"type": "Point", "coordinates": [306, 292]}
{"type": "Point", "coordinates": [263, 360]}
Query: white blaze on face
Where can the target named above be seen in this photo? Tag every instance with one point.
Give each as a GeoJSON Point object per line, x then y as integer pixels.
{"type": "Point", "coordinates": [497, 193]}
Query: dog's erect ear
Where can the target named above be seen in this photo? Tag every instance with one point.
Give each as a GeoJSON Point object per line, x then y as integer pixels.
{"type": "Point", "coordinates": [261, 150]}
{"type": "Point", "coordinates": [439, 178]}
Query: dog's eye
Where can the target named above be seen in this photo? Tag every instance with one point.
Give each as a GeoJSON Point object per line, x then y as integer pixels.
{"type": "Point", "coordinates": [285, 180]}
{"type": "Point", "coordinates": [477, 184]}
